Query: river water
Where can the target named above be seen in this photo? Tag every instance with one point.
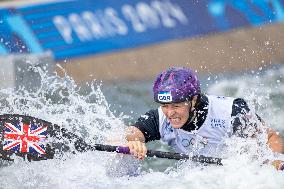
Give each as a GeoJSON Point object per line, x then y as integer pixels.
{"type": "Point", "coordinates": [100, 111]}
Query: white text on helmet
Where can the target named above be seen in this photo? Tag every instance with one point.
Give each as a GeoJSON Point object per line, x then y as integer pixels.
{"type": "Point", "coordinates": [165, 97]}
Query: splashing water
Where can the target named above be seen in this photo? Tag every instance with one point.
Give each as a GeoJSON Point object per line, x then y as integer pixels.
{"type": "Point", "coordinates": [87, 113]}
{"type": "Point", "coordinates": [59, 100]}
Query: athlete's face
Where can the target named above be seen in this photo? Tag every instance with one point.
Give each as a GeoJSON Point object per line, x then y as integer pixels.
{"type": "Point", "coordinates": [177, 113]}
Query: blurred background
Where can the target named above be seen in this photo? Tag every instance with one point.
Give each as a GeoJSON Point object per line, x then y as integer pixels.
{"type": "Point", "coordinates": [134, 40]}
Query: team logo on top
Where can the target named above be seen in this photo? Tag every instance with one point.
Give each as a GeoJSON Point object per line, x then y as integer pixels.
{"type": "Point", "coordinates": [165, 96]}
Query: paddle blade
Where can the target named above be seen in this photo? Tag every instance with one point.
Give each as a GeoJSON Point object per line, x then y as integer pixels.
{"type": "Point", "coordinates": [26, 137]}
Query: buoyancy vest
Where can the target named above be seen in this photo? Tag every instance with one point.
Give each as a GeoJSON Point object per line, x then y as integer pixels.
{"type": "Point", "coordinates": [208, 140]}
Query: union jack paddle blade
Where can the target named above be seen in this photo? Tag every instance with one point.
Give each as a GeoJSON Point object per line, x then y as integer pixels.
{"type": "Point", "coordinates": [25, 136]}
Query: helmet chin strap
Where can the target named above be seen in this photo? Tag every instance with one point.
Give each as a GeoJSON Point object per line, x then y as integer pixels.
{"type": "Point", "coordinates": [192, 113]}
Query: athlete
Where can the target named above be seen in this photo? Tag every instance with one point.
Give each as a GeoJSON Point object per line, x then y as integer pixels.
{"type": "Point", "coordinates": [195, 123]}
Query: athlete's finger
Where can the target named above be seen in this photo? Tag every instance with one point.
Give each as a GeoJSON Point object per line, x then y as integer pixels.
{"type": "Point", "coordinates": [131, 147]}
{"type": "Point", "coordinates": [144, 150]}
{"type": "Point", "coordinates": [139, 148]}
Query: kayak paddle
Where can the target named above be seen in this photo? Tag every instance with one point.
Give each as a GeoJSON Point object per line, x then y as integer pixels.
{"type": "Point", "coordinates": [36, 139]}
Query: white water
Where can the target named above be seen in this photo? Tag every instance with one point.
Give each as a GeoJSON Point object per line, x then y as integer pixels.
{"type": "Point", "coordinates": [87, 113]}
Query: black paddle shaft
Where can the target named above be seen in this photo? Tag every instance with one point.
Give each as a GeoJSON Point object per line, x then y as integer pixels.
{"type": "Point", "coordinates": [81, 146]}
{"type": "Point", "coordinates": [151, 153]}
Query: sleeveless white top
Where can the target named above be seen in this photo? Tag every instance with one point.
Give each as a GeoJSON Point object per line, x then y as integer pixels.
{"type": "Point", "coordinates": [208, 139]}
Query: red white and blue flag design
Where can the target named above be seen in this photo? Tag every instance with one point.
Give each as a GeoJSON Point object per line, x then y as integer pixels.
{"type": "Point", "coordinates": [25, 138]}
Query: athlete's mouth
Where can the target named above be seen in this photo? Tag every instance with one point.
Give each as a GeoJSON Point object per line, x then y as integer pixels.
{"type": "Point", "coordinates": [175, 119]}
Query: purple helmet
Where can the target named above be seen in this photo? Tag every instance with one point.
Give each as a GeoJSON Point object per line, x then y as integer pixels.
{"type": "Point", "coordinates": [177, 84]}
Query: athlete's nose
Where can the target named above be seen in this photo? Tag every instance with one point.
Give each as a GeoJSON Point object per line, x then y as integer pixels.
{"type": "Point", "coordinates": [171, 111]}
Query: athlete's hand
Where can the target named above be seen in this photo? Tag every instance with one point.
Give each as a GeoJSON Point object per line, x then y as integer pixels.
{"type": "Point", "coordinates": [278, 164]}
{"type": "Point", "coordinates": [137, 148]}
